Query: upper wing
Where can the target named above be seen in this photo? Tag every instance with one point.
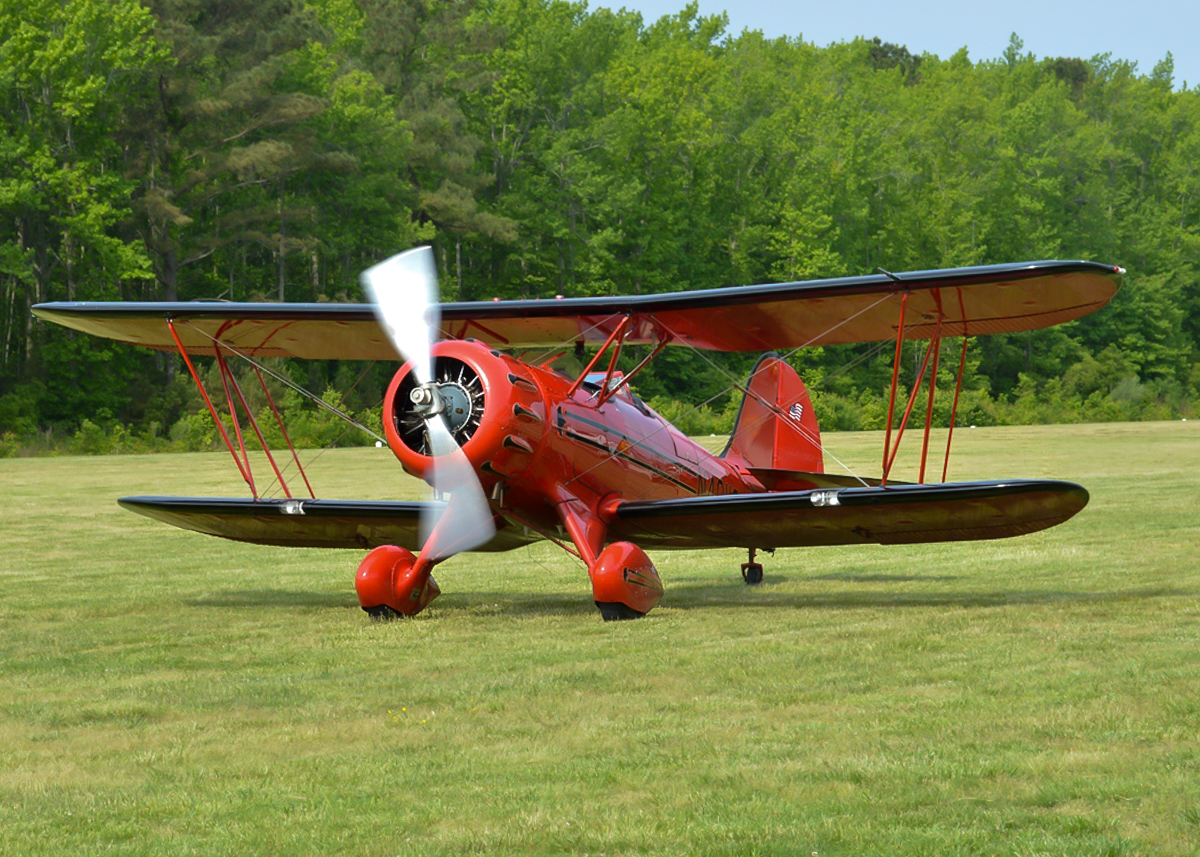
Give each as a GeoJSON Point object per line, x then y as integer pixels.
{"type": "Point", "coordinates": [304, 523]}
{"type": "Point", "coordinates": [983, 300]}
{"type": "Point", "coordinates": [901, 514]}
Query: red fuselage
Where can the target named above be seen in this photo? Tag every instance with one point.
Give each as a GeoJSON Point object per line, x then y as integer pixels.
{"type": "Point", "coordinates": [539, 443]}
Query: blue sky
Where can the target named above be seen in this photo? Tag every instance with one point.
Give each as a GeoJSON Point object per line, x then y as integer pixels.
{"type": "Point", "coordinates": [1139, 31]}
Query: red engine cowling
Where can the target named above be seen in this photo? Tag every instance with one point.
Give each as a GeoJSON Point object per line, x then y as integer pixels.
{"type": "Point", "coordinates": [493, 408]}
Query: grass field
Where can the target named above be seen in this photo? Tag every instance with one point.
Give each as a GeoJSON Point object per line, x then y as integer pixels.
{"type": "Point", "coordinates": [166, 693]}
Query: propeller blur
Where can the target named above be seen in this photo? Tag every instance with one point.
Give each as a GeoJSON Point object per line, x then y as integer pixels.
{"type": "Point", "coordinates": [403, 291]}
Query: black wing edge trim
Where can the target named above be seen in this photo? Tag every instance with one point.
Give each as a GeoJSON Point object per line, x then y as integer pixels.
{"type": "Point", "coordinates": [851, 497]}
{"type": "Point", "coordinates": [278, 506]}
{"type": "Point", "coordinates": [694, 299]}
{"type": "Point", "coordinates": [358, 524]}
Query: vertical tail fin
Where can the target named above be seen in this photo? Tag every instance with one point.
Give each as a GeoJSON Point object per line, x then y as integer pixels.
{"type": "Point", "coordinates": [776, 427]}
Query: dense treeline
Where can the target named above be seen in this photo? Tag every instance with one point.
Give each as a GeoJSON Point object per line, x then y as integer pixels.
{"type": "Point", "coordinates": [272, 149]}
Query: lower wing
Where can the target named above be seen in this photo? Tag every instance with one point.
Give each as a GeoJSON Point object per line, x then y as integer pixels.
{"type": "Point", "coordinates": [304, 523]}
{"type": "Point", "coordinates": [897, 514]}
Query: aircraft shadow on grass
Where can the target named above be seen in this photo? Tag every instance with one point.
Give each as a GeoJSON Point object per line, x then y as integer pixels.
{"type": "Point", "coordinates": [692, 596]}
{"type": "Point", "coordinates": [257, 598]}
{"type": "Point", "coordinates": [707, 596]}
{"type": "Point", "coordinates": [479, 603]}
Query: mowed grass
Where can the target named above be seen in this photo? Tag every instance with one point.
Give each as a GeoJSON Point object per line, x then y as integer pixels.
{"type": "Point", "coordinates": [166, 693]}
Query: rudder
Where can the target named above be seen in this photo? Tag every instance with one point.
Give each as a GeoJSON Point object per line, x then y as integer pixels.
{"type": "Point", "coordinates": [776, 426]}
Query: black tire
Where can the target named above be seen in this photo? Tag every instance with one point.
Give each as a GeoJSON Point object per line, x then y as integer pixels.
{"type": "Point", "coordinates": [615, 611]}
{"type": "Point", "coordinates": [382, 613]}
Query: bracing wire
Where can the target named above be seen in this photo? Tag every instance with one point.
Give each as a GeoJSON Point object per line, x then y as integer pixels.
{"type": "Point", "coordinates": [735, 384]}
{"type": "Point", "coordinates": [288, 382]}
{"type": "Point", "coordinates": [313, 397]}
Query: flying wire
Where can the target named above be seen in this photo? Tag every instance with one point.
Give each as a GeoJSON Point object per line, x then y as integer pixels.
{"type": "Point", "coordinates": [774, 408]}
{"type": "Point", "coordinates": [736, 384]}
{"type": "Point", "coordinates": [313, 397]}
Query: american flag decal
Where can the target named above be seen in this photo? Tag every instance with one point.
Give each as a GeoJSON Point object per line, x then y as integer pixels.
{"type": "Point", "coordinates": [796, 412]}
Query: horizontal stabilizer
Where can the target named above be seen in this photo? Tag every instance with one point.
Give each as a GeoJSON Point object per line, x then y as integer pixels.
{"type": "Point", "coordinates": [304, 523]}
{"type": "Point", "coordinates": [897, 514]}
{"type": "Point", "coordinates": [775, 479]}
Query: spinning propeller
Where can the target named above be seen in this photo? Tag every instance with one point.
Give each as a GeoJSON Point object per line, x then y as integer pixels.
{"type": "Point", "coordinates": [403, 290]}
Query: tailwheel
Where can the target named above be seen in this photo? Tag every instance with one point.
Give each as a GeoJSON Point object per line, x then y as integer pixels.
{"type": "Point", "coordinates": [752, 572]}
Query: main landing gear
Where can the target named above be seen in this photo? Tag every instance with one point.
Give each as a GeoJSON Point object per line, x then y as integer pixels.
{"type": "Point", "coordinates": [625, 583]}
{"type": "Point", "coordinates": [391, 582]}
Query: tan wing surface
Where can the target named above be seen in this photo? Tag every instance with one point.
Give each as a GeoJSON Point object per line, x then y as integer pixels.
{"type": "Point", "coordinates": [901, 514]}
{"type": "Point", "coordinates": [358, 524]}
{"type": "Point", "coordinates": [984, 300]}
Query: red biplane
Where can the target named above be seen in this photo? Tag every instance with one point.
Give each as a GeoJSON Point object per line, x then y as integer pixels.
{"type": "Point", "coordinates": [517, 451]}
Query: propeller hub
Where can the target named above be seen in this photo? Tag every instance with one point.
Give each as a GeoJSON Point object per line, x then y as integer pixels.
{"type": "Point", "coordinates": [427, 400]}
{"type": "Point", "coordinates": [457, 405]}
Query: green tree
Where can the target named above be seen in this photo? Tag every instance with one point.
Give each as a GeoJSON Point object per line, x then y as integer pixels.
{"type": "Point", "coordinates": [538, 117]}
{"type": "Point", "coordinates": [429, 57]}
{"type": "Point", "coordinates": [69, 72]}
{"type": "Point", "coordinates": [221, 138]}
